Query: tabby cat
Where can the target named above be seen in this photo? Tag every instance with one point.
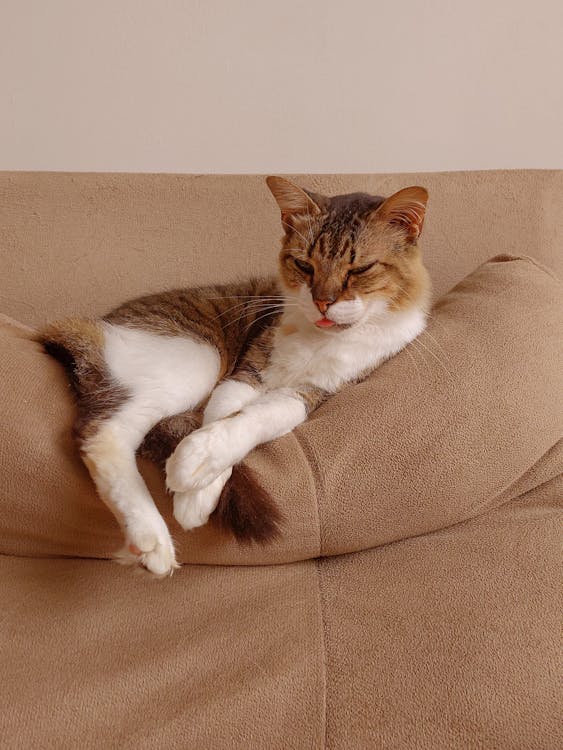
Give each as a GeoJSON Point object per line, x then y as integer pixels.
{"type": "Point", "coordinates": [198, 377]}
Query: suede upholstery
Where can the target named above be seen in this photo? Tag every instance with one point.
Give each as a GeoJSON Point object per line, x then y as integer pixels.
{"type": "Point", "coordinates": [412, 601]}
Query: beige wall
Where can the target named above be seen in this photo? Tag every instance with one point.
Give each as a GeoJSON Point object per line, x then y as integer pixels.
{"type": "Point", "coordinates": [283, 85]}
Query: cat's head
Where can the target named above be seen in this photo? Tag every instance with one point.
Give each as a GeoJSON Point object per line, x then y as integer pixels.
{"type": "Point", "coordinates": [348, 257]}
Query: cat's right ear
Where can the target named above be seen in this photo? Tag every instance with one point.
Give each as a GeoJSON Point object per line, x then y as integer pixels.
{"type": "Point", "coordinates": [294, 202]}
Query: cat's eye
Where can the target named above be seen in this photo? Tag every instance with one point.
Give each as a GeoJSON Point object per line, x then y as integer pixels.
{"type": "Point", "coordinates": [303, 266]}
{"type": "Point", "coordinates": [361, 269]}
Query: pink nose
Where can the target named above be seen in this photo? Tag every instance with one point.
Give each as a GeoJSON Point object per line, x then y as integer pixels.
{"type": "Point", "coordinates": [323, 305]}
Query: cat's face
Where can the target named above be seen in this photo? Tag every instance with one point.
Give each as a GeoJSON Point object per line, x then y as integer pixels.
{"type": "Point", "coordinates": [350, 257]}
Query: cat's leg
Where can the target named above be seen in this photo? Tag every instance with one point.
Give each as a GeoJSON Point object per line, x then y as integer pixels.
{"type": "Point", "coordinates": [207, 453]}
{"type": "Point", "coordinates": [109, 454]}
{"type": "Point", "coordinates": [162, 376]}
{"type": "Point", "coordinates": [245, 383]}
{"type": "Point", "coordinates": [229, 397]}
{"type": "Point", "coordinates": [161, 441]}
{"type": "Point", "coordinates": [193, 507]}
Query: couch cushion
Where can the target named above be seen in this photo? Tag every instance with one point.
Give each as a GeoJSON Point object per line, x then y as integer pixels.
{"type": "Point", "coordinates": [450, 640]}
{"type": "Point", "coordinates": [93, 656]}
{"type": "Point", "coordinates": [447, 641]}
{"type": "Point", "coordinates": [461, 422]}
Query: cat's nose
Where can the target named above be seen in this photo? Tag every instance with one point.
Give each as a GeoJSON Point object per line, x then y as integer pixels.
{"type": "Point", "coordinates": [323, 304]}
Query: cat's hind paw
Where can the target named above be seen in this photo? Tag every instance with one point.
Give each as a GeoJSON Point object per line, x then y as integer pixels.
{"type": "Point", "coordinates": [193, 508]}
{"type": "Point", "coordinates": [150, 547]}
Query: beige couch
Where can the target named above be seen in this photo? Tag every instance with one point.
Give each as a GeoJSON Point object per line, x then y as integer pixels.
{"type": "Point", "coordinates": [412, 599]}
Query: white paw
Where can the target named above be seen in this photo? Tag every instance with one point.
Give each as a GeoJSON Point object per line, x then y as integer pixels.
{"type": "Point", "coordinates": [193, 508]}
{"type": "Point", "coordinates": [150, 545]}
{"type": "Point", "coordinates": [200, 458]}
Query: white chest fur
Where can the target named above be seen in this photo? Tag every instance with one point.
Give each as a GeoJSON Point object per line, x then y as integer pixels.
{"type": "Point", "coordinates": [326, 359]}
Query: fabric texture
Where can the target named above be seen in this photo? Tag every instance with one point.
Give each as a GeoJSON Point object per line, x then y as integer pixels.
{"type": "Point", "coordinates": [429, 621]}
{"type": "Point", "coordinates": [450, 640]}
{"type": "Point", "coordinates": [80, 244]}
{"type": "Point", "coordinates": [94, 656]}
{"type": "Point", "coordinates": [445, 431]}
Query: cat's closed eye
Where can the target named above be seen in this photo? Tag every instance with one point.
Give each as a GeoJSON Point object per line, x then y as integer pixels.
{"type": "Point", "coordinates": [362, 269]}
{"type": "Point", "coordinates": [304, 266]}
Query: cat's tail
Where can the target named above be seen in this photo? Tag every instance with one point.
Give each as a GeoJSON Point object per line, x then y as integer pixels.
{"type": "Point", "coordinates": [246, 510]}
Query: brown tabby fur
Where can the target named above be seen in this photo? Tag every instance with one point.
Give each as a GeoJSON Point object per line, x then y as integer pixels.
{"type": "Point", "coordinates": [349, 243]}
{"type": "Point", "coordinates": [347, 232]}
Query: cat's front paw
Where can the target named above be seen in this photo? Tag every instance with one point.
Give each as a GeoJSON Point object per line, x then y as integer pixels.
{"type": "Point", "coordinates": [193, 508]}
{"type": "Point", "coordinates": [200, 458]}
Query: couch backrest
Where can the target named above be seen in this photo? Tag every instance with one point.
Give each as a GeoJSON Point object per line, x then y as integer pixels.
{"type": "Point", "coordinates": [81, 243]}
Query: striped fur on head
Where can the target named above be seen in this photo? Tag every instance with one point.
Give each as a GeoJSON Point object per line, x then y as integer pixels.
{"type": "Point", "coordinates": [352, 245]}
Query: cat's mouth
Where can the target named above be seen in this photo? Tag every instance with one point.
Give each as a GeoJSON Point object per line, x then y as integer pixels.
{"type": "Point", "coordinates": [328, 324]}
{"type": "Point", "coordinates": [324, 323]}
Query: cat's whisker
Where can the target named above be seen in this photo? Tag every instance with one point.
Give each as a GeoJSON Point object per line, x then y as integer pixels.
{"type": "Point", "coordinates": [247, 310]}
{"type": "Point", "coordinates": [436, 321]}
{"type": "Point", "coordinates": [433, 354]}
{"type": "Point", "coordinates": [415, 363]}
{"type": "Point", "coordinates": [253, 304]}
{"type": "Point", "coordinates": [228, 310]}
{"type": "Point", "coordinates": [429, 315]}
{"type": "Point", "coordinates": [416, 349]}
{"type": "Point", "coordinates": [406, 349]}
{"type": "Point", "coordinates": [436, 343]}
{"type": "Point", "coordinates": [248, 296]}
{"type": "Point", "coordinates": [260, 317]}
{"type": "Point", "coordinates": [272, 310]}
{"type": "Point", "coordinates": [404, 291]}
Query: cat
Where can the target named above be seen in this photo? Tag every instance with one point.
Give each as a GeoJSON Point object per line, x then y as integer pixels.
{"type": "Point", "coordinates": [196, 378]}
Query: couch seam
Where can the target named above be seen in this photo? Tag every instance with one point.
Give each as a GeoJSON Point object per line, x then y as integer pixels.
{"type": "Point", "coordinates": [324, 660]}
{"type": "Point", "coordinates": [316, 479]}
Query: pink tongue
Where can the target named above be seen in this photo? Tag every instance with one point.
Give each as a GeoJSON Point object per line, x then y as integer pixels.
{"type": "Point", "coordinates": [324, 323]}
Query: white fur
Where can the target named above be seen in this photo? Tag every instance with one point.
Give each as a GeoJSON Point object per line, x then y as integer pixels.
{"type": "Point", "coordinates": [165, 375]}
{"type": "Point", "coordinates": [205, 454]}
{"type": "Point", "coordinates": [329, 358]}
{"type": "Point", "coordinates": [229, 396]}
{"type": "Point", "coordinates": [324, 358]}
{"type": "Point", "coordinates": [193, 507]}
{"type": "Point", "coordinates": [168, 374]}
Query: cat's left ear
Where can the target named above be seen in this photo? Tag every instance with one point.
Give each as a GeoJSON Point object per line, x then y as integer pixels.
{"type": "Point", "coordinates": [405, 209]}
{"type": "Point", "coordinates": [294, 202]}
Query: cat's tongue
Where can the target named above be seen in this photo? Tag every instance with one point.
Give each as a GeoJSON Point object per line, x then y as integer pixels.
{"type": "Point", "coordinates": [324, 323]}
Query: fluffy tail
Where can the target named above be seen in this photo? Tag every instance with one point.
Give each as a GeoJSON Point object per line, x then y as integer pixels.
{"type": "Point", "coordinates": [246, 510]}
